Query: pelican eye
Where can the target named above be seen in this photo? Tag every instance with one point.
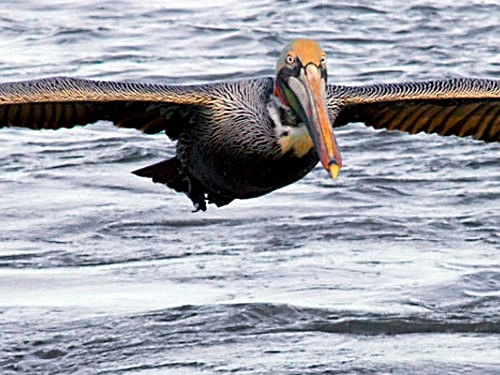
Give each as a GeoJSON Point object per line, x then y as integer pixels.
{"type": "Point", "coordinates": [290, 59]}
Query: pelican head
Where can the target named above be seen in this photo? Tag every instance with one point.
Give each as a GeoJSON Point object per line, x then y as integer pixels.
{"type": "Point", "coordinates": [301, 85]}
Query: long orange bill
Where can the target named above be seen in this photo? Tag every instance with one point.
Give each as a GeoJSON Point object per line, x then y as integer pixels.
{"type": "Point", "coordinates": [310, 90]}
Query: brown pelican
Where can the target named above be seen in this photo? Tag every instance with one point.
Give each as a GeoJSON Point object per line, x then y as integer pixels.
{"type": "Point", "coordinates": [245, 138]}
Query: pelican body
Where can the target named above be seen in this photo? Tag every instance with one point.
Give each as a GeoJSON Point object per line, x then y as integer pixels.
{"type": "Point", "coordinates": [229, 150]}
{"type": "Point", "coordinates": [242, 139]}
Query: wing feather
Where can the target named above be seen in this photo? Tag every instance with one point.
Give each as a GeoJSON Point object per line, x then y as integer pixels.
{"type": "Point", "coordinates": [461, 107]}
{"type": "Point", "coordinates": [58, 102]}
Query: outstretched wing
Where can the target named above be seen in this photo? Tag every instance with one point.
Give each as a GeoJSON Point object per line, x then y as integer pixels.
{"type": "Point", "coordinates": [461, 107]}
{"type": "Point", "coordinates": [58, 102]}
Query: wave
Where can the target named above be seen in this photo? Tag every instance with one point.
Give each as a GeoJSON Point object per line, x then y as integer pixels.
{"type": "Point", "coordinates": [260, 318]}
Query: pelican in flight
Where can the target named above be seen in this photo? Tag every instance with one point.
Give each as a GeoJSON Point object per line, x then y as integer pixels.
{"type": "Point", "coordinates": [245, 138]}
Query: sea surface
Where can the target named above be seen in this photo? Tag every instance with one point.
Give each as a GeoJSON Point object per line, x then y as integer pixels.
{"type": "Point", "coordinates": [394, 268]}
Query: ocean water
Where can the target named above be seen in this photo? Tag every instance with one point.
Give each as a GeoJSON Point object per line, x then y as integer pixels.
{"type": "Point", "coordinates": [393, 268]}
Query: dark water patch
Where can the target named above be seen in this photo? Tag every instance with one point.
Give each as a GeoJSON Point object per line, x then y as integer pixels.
{"type": "Point", "coordinates": [72, 255]}
{"type": "Point", "coordinates": [480, 31]}
{"type": "Point", "coordinates": [483, 163]}
{"type": "Point", "coordinates": [206, 29]}
{"type": "Point", "coordinates": [264, 318]}
{"type": "Point", "coordinates": [193, 222]}
{"type": "Point", "coordinates": [170, 366]}
{"type": "Point", "coordinates": [141, 340]}
{"type": "Point", "coordinates": [348, 8]}
{"type": "Point", "coordinates": [487, 196]}
{"type": "Point", "coordinates": [425, 9]}
{"type": "Point", "coordinates": [48, 354]}
{"type": "Point", "coordinates": [480, 7]}
{"type": "Point", "coordinates": [70, 35]}
{"type": "Point", "coordinates": [366, 40]}
{"type": "Point", "coordinates": [31, 259]}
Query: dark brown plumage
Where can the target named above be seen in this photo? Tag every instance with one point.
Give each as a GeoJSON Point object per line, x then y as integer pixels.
{"type": "Point", "coordinates": [246, 138]}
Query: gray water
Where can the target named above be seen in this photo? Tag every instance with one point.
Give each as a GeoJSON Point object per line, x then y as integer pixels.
{"type": "Point", "coordinates": [393, 268]}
